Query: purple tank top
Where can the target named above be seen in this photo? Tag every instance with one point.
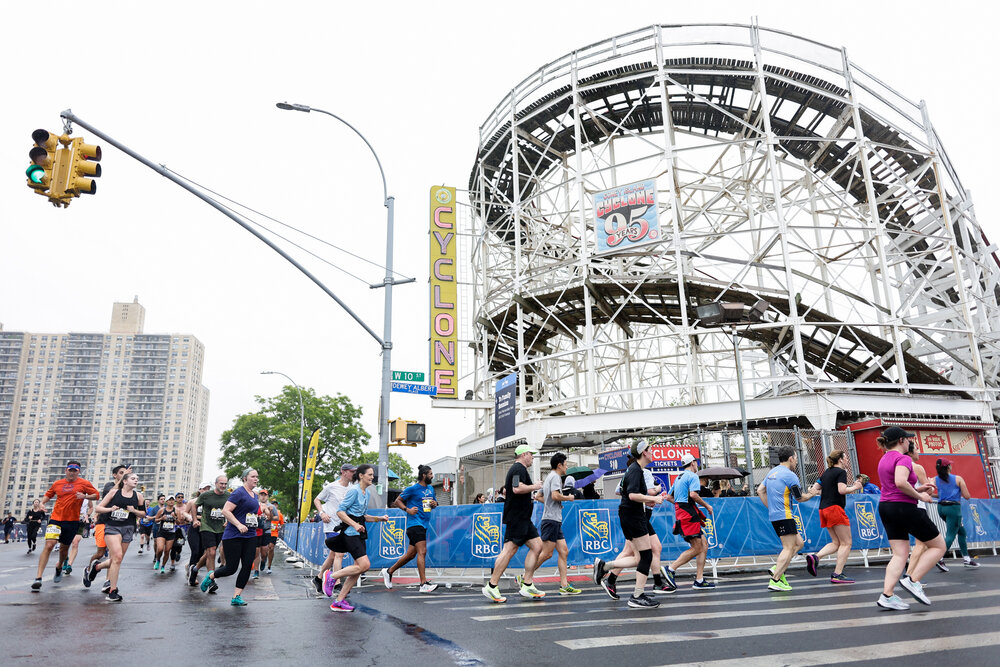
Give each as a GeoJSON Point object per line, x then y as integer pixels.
{"type": "Point", "coordinates": [887, 475]}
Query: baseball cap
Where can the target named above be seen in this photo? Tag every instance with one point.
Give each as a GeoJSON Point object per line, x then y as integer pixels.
{"type": "Point", "coordinates": [525, 449]}
{"type": "Point", "coordinates": [638, 448]}
{"type": "Point", "coordinates": [349, 466]}
{"type": "Point", "coordinates": [944, 462]}
{"type": "Point", "coordinates": [895, 433]}
{"type": "Point", "coordinates": [687, 459]}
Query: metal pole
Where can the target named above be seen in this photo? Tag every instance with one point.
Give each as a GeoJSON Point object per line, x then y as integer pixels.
{"type": "Point", "coordinates": [302, 428]}
{"type": "Point", "coordinates": [743, 409]}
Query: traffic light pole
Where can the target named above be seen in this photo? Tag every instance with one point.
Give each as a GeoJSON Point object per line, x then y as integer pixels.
{"type": "Point", "coordinates": [167, 174]}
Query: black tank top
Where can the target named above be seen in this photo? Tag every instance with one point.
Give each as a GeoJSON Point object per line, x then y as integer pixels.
{"type": "Point", "coordinates": [121, 516]}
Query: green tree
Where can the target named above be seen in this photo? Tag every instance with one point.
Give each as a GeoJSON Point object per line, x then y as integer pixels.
{"type": "Point", "coordinates": [397, 464]}
{"type": "Point", "coordinates": [268, 441]}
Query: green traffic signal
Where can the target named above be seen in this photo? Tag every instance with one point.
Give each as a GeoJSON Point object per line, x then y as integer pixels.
{"type": "Point", "coordinates": [35, 173]}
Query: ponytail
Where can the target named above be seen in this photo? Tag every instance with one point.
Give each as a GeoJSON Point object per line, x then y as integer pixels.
{"type": "Point", "coordinates": [883, 443]}
{"type": "Point", "coordinates": [942, 471]}
{"type": "Point", "coordinates": [834, 458]}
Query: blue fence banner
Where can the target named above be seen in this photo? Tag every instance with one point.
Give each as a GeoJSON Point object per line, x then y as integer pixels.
{"type": "Point", "coordinates": [472, 535]}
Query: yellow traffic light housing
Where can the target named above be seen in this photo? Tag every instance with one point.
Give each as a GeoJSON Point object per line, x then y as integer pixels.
{"type": "Point", "coordinates": [82, 168]}
{"type": "Point", "coordinates": [62, 173]}
{"type": "Point", "coordinates": [41, 171]}
{"type": "Point", "coordinates": [405, 433]}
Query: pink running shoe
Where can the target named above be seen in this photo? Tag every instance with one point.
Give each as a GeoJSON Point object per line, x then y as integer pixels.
{"type": "Point", "coordinates": [341, 605]}
{"type": "Point", "coordinates": [328, 584]}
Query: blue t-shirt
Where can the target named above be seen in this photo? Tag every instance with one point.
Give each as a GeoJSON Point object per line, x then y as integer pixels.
{"type": "Point", "coordinates": [245, 512]}
{"type": "Point", "coordinates": [684, 485]}
{"type": "Point", "coordinates": [782, 486]}
{"type": "Point", "coordinates": [355, 503]}
{"type": "Point", "coordinates": [150, 513]}
{"type": "Point", "coordinates": [413, 496]}
{"type": "Point", "coordinates": [871, 488]}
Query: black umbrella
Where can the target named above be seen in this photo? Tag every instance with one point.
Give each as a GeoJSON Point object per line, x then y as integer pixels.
{"type": "Point", "coordinates": [722, 473]}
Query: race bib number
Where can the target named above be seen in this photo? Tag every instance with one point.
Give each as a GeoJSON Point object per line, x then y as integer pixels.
{"type": "Point", "coordinates": [217, 514]}
{"type": "Point", "coordinates": [119, 515]}
{"type": "Point", "coordinates": [53, 531]}
{"type": "Point", "coordinates": [167, 526]}
{"type": "Point", "coordinates": [251, 521]}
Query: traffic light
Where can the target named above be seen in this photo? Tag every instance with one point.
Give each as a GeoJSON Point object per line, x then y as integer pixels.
{"type": "Point", "coordinates": [403, 432]}
{"type": "Point", "coordinates": [61, 173]}
{"type": "Point", "coordinates": [82, 168]}
{"type": "Point", "coordinates": [43, 161]}
{"type": "Point", "coordinates": [415, 432]}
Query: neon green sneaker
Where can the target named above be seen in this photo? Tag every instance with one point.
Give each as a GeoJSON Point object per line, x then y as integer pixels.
{"type": "Point", "coordinates": [529, 591]}
{"type": "Point", "coordinates": [569, 590]}
{"type": "Point", "coordinates": [492, 593]}
{"type": "Point", "coordinates": [779, 585]}
{"type": "Point", "coordinates": [783, 580]}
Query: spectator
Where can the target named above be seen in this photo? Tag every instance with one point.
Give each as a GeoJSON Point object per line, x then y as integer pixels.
{"type": "Point", "coordinates": [479, 499]}
{"type": "Point", "coordinates": [726, 489]}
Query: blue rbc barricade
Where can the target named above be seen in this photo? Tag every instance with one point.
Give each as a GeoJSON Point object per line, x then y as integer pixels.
{"type": "Point", "coordinates": [470, 536]}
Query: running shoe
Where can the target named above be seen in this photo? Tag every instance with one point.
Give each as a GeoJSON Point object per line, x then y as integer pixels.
{"type": "Point", "coordinates": [328, 582]}
{"type": "Point", "coordinates": [783, 580]}
{"type": "Point", "coordinates": [778, 585]}
{"type": "Point", "coordinates": [36, 585]}
{"type": "Point", "coordinates": [704, 583]}
{"type": "Point", "coordinates": [214, 587]}
{"type": "Point", "coordinates": [318, 583]}
{"type": "Point", "coordinates": [91, 574]}
{"type": "Point", "coordinates": [106, 586]}
{"type": "Point", "coordinates": [255, 575]}
{"type": "Point", "coordinates": [237, 602]}
{"type": "Point", "coordinates": [811, 562]}
{"type": "Point", "coordinates": [529, 591]}
{"type": "Point", "coordinates": [941, 566]}
{"type": "Point", "coordinates": [598, 570]}
{"type": "Point", "coordinates": [341, 605]}
{"type": "Point", "coordinates": [642, 602]}
{"type": "Point", "coordinates": [840, 579]}
{"type": "Point", "coordinates": [518, 582]}
{"type": "Point", "coordinates": [113, 596]}
{"type": "Point", "coordinates": [67, 569]}
{"type": "Point", "coordinates": [569, 590]}
{"type": "Point", "coordinates": [57, 577]}
{"type": "Point", "coordinates": [386, 578]}
{"type": "Point", "coordinates": [140, 551]}
{"type": "Point", "coordinates": [492, 593]}
{"type": "Point", "coordinates": [668, 576]}
{"type": "Point", "coordinates": [193, 575]}
{"type": "Point", "coordinates": [156, 566]}
{"type": "Point", "coordinates": [205, 583]}
{"type": "Point", "coordinates": [427, 587]}
{"type": "Point", "coordinates": [610, 589]}
{"type": "Point", "coordinates": [969, 562]}
{"type": "Point", "coordinates": [665, 588]}
{"type": "Point", "coordinates": [891, 603]}
{"type": "Point", "coordinates": [914, 588]}
{"type": "Point", "coordinates": [268, 571]}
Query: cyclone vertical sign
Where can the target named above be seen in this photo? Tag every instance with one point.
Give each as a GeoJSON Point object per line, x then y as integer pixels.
{"type": "Point", "coordinates": [444, 292]}
{"type": "Point", "coordinates": [626, 216]}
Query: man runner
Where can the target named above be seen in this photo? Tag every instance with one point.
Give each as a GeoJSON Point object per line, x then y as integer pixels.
{"type": "Point", "coordinates": [417, 501]}
{"type": "Point", "coordinates": [327, 502]}
{"type": "Point", "coordinates": [520, 530]}
{"type": "Point", "coordinates": [277, 521]}
{"type": "Point", "coordinates": [209, 526]}
{"type": "Point", "coordinates": [69, 492]}
{"type": "Point", "coordinates": [551, 532]}
{"type": "Point", "coordinates": [689, 519]}
{"type": "Point", "coordinates": [778, 490]}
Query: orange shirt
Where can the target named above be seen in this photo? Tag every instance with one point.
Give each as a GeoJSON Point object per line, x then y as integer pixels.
{"type": "Point", "coordinates": [276, 524]}
{"type": "Point", "coordinates": [67, 504]}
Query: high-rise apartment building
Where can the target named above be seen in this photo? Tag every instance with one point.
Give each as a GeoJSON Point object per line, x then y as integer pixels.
{"type": "Point", "coordinates": [103, 399]}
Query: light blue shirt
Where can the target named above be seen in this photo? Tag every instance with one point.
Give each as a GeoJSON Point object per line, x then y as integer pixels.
{"type": "Point", "coordinates": [685, 484]}
{"type": "Point", "coordinates": [779, 484]}
{"type": "Point", "coordinates": [413, 496]}
{"type": "Point", "coordinates": [355, 503]}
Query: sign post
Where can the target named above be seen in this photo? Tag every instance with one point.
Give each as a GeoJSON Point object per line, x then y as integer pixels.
{"type": "Point", "coordinates": [505, 405]}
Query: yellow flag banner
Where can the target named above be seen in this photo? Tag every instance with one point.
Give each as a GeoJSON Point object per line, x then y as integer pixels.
{"type": "Point", "coordinates": [307, 479]}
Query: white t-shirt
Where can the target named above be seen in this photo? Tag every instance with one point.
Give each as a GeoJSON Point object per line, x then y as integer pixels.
{"type": "Point", "coordinates": [331, 496]}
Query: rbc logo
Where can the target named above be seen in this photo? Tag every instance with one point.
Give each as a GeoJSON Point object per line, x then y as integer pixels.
{"type": "Point", "coordinates": [864, 512]}
{"type": "Point", "coordinates": [390, 539]}
{"type": "Point", "coordinates": [709, 529]}
{"type": "Point", "coordinates": [980, 531]}
{"type": "Point", "coordinates": [595, 531]}
{"type": "Point", "coordinates": [486, 534]}
{"type": "Point", "coordinates": [799, 525]}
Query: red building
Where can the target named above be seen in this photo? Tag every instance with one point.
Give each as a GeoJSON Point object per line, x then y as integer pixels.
{"type": "Point", "coordinates": [958, 440]}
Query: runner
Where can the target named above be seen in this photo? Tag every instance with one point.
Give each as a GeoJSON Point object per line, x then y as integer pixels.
{"type": "Point", "coordinates": [832, 501]}
{"type": "Point", "coordinates": [778, 490]}
{"type": "Point", "coordinates": [634, 524]}
{"type": "Point", "coordinates": [277, 521]}
{"type": "Point", "coordinates": [166, 519]}
{"type": "Point", "coordinates": [183, 523]}
{"type": "Point", "coordinates": [117, 473]}
{"type": "Point", "coordinates": [239, 539]}
{"type": "Point", "coordinates": [8, 527]}
{"type": "Point", "coordinates": [82, 530]}
{"type": "Point", "coordinates": [122, 505]}
{"type": "Point", "coordinates": [263, 532]}
{"type": "Point", "coordinates": [897, 508]}
{"type": "Point", "coordinates": [194, 533]}
{"type": "Point", "coordinates": [146, 529]}
{"type": "Point", "coordinates": [951, 490]}
{"type": "Point", "coordinates": [152, 512]}
{"type": "Point", "coordinates": [551, 532]}
{"type": "Point", "coordinates": [34, 520]}
{"type": "Point", "coordinates": [327, 503]}
{"type": "Point", "coordinates": [520, 530]}
{"type": "Point", "coordinates": [688, 522]}
{"type": "Point", "coordinates": [417, 501]}
{"type": "Point", "coordinates": [353, 513]}
{"type": "Point", "coordinates": [924, 485]}
{"type": "Point", "coordinates": [70, 492]}
{"type": "Point", "coordinates": [210, 526]}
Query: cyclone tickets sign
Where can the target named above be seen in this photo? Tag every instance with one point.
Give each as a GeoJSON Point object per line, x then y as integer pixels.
{"type": "Point", "coordinates": [626, 216]}
{"type": "Point", "coordinates": [668, 457]}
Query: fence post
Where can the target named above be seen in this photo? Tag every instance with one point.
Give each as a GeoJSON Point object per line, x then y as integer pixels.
{"type": "Point", "coordinates": [798, 453]}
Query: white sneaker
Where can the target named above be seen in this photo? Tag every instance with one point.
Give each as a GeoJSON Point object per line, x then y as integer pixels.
{"type": "Point", "coordinates": [386, 578]}
{"type": "Point", "coordinates": [915, 588]}
{"type": "Point", "coordinates": [891, 603]}
{"type": "Point", "coordinates": [428, 587]}
{"type": "Point", "coordinates": [968, 562]}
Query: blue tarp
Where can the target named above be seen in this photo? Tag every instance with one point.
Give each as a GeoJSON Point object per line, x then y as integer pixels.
{"type": "Point", "coordinates": [471, 535]}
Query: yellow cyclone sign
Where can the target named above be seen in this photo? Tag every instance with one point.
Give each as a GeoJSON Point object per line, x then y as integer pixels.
{"type": "Point", "coordinates": [444, 292]}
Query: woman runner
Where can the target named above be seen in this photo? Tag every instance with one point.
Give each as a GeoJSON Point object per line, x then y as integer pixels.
{"type": "Point", "coordinates": [951, 490]}
{"type": "Point", "coordinates": [834, 489]}
{"type": "Point", "coordinates": [122, 505]}
{"type": "Point", "coordinates": [34, 522]}
{"type": "Point", "coordinates": [167, 520]}
{"type": "Point", "coordinates": [239, 539]}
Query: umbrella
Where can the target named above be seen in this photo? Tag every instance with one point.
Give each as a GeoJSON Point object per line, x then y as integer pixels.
{"type": "Point", "coordinates": [591, 478]}
{"type": "Point", "coordinates": [723, 473]}
{"type": "Point", "coordinates": [578, 471]}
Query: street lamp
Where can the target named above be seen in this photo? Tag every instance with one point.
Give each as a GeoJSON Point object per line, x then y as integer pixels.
{"type": "Point", "coordinates": [726, 316]}
{"type": "Point", "coordinates": [387, 283]}
{"type": "Point", "coordinates": [302, 428]}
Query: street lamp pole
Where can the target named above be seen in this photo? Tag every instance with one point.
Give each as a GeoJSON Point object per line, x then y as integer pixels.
{"type": "Point", "coordinates": [743, 407]}
{"type": "Point", "coordinates": [302, 429]}
{"type": "Point", "coordinates": [387, 283]}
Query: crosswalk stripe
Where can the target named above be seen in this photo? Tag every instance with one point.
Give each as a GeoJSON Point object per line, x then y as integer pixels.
{"type": "Point", "coordinates": [753, 631]}
{"type": "Point", "coordinates": [631, 619]}
{"type": "Point", "coordinates": [859, 653]}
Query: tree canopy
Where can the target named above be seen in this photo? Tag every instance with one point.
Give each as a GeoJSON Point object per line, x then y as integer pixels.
{"type": "Point", "coordinates": [397, 464]}
{"type": "Point", "coordinates": [268, 441]}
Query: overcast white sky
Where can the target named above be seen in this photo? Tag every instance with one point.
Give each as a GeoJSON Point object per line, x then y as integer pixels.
{"type": "Point", "coordinates": [193, 84]}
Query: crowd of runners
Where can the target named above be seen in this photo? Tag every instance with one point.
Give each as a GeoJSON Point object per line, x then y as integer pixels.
{"type": "Point", "coordinates": [234, 532]}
